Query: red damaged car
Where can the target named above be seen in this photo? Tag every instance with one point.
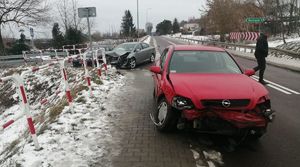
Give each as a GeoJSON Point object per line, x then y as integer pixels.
{"type": "Point", "coordinates": [203, 88]}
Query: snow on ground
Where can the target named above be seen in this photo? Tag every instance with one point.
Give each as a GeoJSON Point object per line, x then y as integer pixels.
{"type": "Point", "coordinates": [276, 41]}
{"type": "Point", "coordinates": [147, 40]}
{"type": "Point", "coordinates": [202, 38]}
{"type": "Point", "coordinates": [68, 139]}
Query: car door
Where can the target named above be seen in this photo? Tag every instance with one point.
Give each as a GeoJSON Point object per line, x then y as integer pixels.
{"type": "Point", "coordinates": [138, 53]}
{"type": "Point", "coordinates": [158, 78]}
{"type": "Point", "coordinates": [147, 51]}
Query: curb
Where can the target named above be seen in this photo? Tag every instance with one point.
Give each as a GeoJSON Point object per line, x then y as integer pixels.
{"type": "Point", "coordinates": [288, 67]}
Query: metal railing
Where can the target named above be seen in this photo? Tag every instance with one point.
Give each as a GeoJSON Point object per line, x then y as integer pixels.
{"type": "Point", "coordinates": [64, 54]}
{"type": "Point", "coordinates": [273, 50]}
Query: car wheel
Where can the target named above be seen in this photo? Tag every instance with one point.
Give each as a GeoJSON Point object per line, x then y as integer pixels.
{"type": "Point", "coordinates": [152, 58]}
{"type": "Point", "coordinates": [132, 63]}
{"type": "Point", "coordinates": [165, 117]}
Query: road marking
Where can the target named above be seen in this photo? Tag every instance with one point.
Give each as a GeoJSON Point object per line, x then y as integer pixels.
{"type": "Point", "coordinates": [277, 86]}
{"type": "Point", "coordinates": [171, 42]}
{"type": "Point", "coordinates": [280, 86]}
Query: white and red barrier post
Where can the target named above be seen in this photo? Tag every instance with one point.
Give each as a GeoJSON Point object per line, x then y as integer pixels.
{"type": "Point", "coordinates": [99, 72]}
{"type": "Point", "coordinates": [66, 83]}
{"type": "Point", "coordinates": [86, 72]}
{"type": "Point", "coordinates": [25, 57]}
{"type": "Point", "coordinates": [19, 81]}
{"type": "Point", "coordinates": [104, 60]}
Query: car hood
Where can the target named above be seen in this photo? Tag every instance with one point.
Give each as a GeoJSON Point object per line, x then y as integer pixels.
{"type": "Point", "coordinates": [217, 86]}
{"type": "Point", "coordinates": [117, 53]}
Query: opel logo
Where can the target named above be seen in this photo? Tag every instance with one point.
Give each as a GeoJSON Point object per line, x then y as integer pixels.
{"type": "Point", "coordinates": [226, 103]}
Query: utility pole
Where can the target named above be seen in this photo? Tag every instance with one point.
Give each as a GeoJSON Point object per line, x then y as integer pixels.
{"type": "Point", "coordinates": [88, 12]}
{"type": "Point", "coordinates": [138, 24]}
{"type": "Point", "coordinates": [89, 29]}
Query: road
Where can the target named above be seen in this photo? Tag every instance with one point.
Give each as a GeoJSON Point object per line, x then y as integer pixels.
{"type": "Point", "coordinates": [281, 145]}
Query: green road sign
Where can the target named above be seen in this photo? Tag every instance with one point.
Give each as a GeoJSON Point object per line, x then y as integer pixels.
{"type": "Point", "coordinates": [255, 20]}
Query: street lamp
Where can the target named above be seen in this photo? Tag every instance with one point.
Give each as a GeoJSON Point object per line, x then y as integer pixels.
{"type": "Point", "coordinates": [138, 26]}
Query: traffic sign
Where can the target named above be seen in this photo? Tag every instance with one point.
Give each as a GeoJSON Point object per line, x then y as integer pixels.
{"type": "Point", "coordinates": [87, 12]}
{"type": "Point", "coordinates": [255, 20]}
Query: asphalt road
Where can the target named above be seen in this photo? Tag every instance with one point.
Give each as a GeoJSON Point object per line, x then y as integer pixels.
{"type": "Point", "coordinates": [280, 147]}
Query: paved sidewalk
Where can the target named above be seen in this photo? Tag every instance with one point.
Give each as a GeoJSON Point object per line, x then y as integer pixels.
{"type": "Point", "coordinates": [142, 145]}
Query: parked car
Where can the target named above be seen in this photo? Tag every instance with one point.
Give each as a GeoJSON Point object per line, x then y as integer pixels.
{"type": "Point", "coordinates": [204, 88]}
{"type": "Point", "coordinates": [78, 62]}
{"type": "Point", "coordinates": [131, 54]}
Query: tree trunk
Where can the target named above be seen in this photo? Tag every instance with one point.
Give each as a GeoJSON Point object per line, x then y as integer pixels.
{"type": "Point", "coordinates": [279, 9]}
{"type": "Point", "coordinates": [2, 48]}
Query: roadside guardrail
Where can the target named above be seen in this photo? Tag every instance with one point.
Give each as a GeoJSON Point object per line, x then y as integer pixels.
{"type": "Point", "coordinates": [244, 47]}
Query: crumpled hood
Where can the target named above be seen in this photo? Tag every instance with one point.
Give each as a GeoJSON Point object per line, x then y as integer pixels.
{"type": "Point", "coordinates": [217, 86]}
{"type": "Point", "coordinates": [117, 53]}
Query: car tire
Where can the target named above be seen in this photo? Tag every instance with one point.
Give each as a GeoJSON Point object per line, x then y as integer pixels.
{"type": "Point", "coordinates": [152, 58]}
{"type": "Point", "coordinates": [165, 116]}
{"type": "Point", "coordinates": [132, 63]}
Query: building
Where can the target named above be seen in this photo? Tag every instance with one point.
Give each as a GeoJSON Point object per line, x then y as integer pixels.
{"type": "Point", "coordinates": [191, 27]}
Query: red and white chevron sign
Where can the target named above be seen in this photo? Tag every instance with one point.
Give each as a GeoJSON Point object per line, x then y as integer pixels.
{"type": "Point", "coordinates": [250, 36]}
{"type": "Point", "coordinates": [235, 35]}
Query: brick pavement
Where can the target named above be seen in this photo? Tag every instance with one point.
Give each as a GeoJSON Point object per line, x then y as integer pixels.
{"type": "Point", "coordinates": [141, 145]}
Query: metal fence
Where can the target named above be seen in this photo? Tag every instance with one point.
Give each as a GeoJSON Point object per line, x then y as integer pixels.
{"type": "Point", "coordinates": [244, 47]}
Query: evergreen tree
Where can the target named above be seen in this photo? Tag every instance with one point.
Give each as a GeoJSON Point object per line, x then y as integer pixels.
{"type": "Point", "coordinates": [164, 27]}
{"type": "Point", "coordinates": [22, 39]}
{"type": "Point", "coordinates": [73, 36]}
{"type": "Point", "coordinates": [176, 27]}
{"type": "Point", "coordinates": [19, 46]}
{"type": "Point", "coordinates": [127, 28]}
{"type": "Point", "coordinates": [57, 37]}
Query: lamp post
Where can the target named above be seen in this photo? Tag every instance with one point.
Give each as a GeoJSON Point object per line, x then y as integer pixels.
{"type": "Point", "coordinates": [138, 25]}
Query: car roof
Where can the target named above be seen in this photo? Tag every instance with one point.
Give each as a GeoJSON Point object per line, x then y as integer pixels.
{"type": "Point", "coordinates": [197, 48]}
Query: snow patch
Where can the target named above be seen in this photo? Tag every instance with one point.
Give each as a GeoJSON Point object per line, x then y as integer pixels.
{"type": "Point", "coordinates": [84, 138]}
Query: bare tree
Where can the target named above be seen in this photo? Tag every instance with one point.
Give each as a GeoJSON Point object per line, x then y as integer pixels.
{"type": "Point", "coordinates": [280, 12]}
{"type": "Point", "coordinates": [68, 12]}
{"type": "Point", "coordinates": [21, 12]}
{"type": "Point", "coordinates": [225, 16]}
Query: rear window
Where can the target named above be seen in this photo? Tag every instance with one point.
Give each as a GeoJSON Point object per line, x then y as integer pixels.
{"type": "Point", "coordinates": [202, 62]}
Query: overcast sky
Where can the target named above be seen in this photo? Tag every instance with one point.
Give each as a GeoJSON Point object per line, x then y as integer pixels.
{"type": "Point", "coordinates": [110, 13]}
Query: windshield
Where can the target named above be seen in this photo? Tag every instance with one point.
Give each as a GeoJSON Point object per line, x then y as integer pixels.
{"type": "Point", "coordinates": [126, 47]}
{"type": "Point", "coordinates": [202, 62]}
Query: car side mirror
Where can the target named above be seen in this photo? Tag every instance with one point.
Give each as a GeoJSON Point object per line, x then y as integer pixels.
{"type": "Point", "coordinates": [155, 69]}
{"type": "Point", "coordinates": [137, 50]}
{"type": "Point", "coordinates": [249, 72]}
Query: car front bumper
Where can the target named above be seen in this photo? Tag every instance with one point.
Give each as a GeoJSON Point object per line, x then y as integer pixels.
{"type": "Point", "coordinates": [237, 118]}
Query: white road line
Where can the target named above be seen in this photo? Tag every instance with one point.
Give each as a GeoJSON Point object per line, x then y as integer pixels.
{"type": "Point", "coordinates": [272, 86]}
{"type": "Point", "coordinates": [165, 38]}
{"type": "Point", "coordinates": [280, 86]}
{"type": "Point", "coordinates": [281, 90]}
{"type": "Point", "coordinates": [171, 42]}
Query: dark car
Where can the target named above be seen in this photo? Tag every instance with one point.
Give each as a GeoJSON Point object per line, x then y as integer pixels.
{"type": "Point", "coordinates": [78, 62]}
{"type": "Point", "coordinates": [131, 54]}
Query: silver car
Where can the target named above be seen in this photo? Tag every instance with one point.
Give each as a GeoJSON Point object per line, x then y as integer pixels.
{"type": "Point", "coordinates": [131, 54]}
